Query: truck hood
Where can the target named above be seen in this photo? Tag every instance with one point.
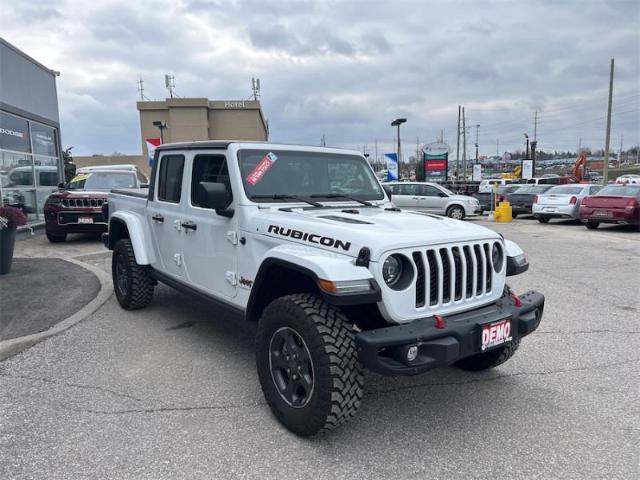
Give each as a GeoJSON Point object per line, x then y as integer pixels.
{"type": "Point", "coordinates": [341, 230]}
{"type": "Point", "coordinates": [80, 194]}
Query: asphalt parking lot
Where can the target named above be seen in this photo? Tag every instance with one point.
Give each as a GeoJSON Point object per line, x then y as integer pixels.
{"type": "Point", "coordinates": [172, 391]}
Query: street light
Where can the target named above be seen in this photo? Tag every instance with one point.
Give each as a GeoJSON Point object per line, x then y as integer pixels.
{"type": "Point", "coordinates": [162, 126]}
{"type": "Point", "coordinates": [396, 123]}
{"type": "Point", "coordinates": [527, 151]}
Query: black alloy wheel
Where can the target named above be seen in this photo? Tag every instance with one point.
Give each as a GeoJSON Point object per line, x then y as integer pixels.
{"type": "Point", "coordinates": [291, 367]}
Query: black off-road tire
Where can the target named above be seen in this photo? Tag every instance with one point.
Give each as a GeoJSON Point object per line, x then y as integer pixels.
{"type": "Point", "coordinates": [338, 383]}
{"type": "Point", "coordinates": [56, 237]}
{"type": "Point", "coordinates": [456, 212]}
{"type": "Point", "coordinates": [544, 219]}
{"type": "Point", "coordinates": [135, 289]}
{"type": "Point", "coordinates": [514, 215]}
{"type": "Point", "coordinates": [490, 359]}
{"type": "Point", "coordinates": [591, 225]}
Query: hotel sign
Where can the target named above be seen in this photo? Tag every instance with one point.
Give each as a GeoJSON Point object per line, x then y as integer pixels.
{"type": "Point", "coordinates": [234, 104]}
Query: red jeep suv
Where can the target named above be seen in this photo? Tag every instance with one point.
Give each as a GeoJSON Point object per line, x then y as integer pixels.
{"type": "Point", "coordinates": [77, 208]}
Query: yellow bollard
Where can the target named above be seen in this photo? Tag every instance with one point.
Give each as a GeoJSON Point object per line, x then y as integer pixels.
{"type": "Point", "coordinates": [503, 212]}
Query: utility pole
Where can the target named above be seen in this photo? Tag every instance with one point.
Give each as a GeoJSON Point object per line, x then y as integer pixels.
{"type": "Point", "coordinates": [535, 126]}
{"type": "Point", "coordinates": [376, 150]}
{"type": "Point", "coordinates": [464, 147]}
{"type": "Point", "coordinates": [419, 163]}
{"type": "Point", "coordinates": [458, 148]}
{"type": "Point", "coordinates": [477, 128]}
{"type": "Point", "coordinates": [497, 147]}
{"type": "Point", "coordinates": [620, 154]}
{"type": "Point", "coordinates": [323, 140]}
{"type": "Point", "coordinates": [605, 172]}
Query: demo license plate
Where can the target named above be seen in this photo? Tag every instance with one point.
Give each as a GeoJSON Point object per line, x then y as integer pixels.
{"type": "Point", "coordinates": [601, 213]}
{"type": "Point", "coordinates": [550, 209]}
{"type": "Point", "coordinates": [495, 334]}
{"type": "Point", "coordinates": [85, 220]}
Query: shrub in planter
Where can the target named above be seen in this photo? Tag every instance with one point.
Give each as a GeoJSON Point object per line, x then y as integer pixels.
{"type": "Point", "coordinates": [10, 219]}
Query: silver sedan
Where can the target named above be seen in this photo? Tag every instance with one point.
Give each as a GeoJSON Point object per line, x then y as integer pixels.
{"type": "Point", "coordinates": [562, 201]}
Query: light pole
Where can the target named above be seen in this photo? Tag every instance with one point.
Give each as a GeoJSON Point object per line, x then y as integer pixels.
{"type": "Point", "coordinates": [396, 123]}
{"type": "Point", "coordinates": [162, 126]}
{"type": "Point", "coordinates": [477, 128]}
{"type": "Point", "coordinates": [527, 150]}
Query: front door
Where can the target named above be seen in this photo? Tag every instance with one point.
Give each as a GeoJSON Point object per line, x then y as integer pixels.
{"type": "Point", "coordinates": [211, 241]}
{"type": "Point", "coordinates": [433, 199]}
{"type": "Point", "coordinates": [164, 215]}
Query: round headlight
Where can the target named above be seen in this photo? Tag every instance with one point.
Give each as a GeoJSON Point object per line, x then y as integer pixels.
{"type": "Point", "coordinates": [497, 257]}
{"type": "Point", "coordinates": [392, 270]}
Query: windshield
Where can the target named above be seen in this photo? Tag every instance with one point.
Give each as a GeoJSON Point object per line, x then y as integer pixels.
{"type": "Point", "coordinates": [565, 191]}
{"type": "Point", "coordinates": [446, 190]}
{"type": "Point", "coordinates": [304, 174]}
{"type": "Point", "coordinates": [103, 181]}
{"type": "Point", "coordinates": [626, 191]}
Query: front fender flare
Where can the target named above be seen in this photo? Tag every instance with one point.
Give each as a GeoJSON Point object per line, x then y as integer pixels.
{"type": "Point", "coordinates": [314, 264]}
{"type": "Point", "coordinates": [138, 234]}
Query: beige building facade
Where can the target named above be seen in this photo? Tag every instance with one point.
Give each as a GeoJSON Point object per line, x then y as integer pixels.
{"type": "Point", "coordinates": [189, 119]}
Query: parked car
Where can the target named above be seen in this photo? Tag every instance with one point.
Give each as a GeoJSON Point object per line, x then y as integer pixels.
{"type": "Point", "coordinates": [562, 201]}
{"type": "Point", "coordinates": [486, 199]}
{"type": "Point", "coordinates": [77, 208]}
{"type": "Point", "coordinates": [12, 197]}
{"type": "Point", "coordinates": [486, 186]}
{"type": "Point", "coordinates": [433, 198]}
{"type": "Point", "coordinates": [142, 178]}
{"type": "Point", "coordinates": [555, 180]}
{"type": "Point", "coordinates": [336, 279]}
{"type": "Point", "coordinates": [522, 199]}
{"type": "Point", "coordinates": [626, 179]}
{"type": "Point", "coordinates": [21, 179]}
{"type": "Point", "coordinates": [612, 204]}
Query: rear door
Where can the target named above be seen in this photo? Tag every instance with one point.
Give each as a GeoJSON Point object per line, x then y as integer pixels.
{"type": "Point", "coordinates": [210, 242]}
{"type": "Point", "coordinates": [164, 214]}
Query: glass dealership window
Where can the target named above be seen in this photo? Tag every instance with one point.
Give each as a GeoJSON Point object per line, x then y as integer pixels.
{"type": "Point", "coordinates": [27, 180]}
{"type": "Point", "coordinates": [43, 140]}
{"type": "Point", "coordinates": [14, 133]}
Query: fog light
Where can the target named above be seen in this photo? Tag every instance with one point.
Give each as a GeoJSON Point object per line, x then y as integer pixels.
{"type": "Point", "coordinates": [412, 353]}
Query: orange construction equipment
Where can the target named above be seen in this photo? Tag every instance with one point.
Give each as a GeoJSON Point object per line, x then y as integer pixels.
{"type": "Point", "coordinates": [580, 168]}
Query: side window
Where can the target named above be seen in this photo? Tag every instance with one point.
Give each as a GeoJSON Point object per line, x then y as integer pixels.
{"type": "Point", "coordinates": [21, 177]}
{"type": "Point", "coordinates": [394, 189]}
{"type": "Point", "coordinates": [209, 168]}
{"type": "Point", "coordinates": [407, 189]}
{"type": "Point", "coordinates": [430, 191]}
{"type": "Point", "coordinates": [170, 178]}
{"type": "Point", "coordinates": [48, 179]}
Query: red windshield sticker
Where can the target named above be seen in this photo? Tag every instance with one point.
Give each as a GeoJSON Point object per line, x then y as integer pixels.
{"type": "Point", "coordinates": [261, 168]}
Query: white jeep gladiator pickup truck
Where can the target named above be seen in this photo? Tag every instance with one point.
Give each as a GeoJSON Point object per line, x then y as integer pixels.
{"type": "Point", "coordinates": [306, 242]}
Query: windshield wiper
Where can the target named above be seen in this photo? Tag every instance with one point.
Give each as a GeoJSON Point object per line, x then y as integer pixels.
{"type": "Point", "coordinates": [342, 195]}
{"type": "Point", "coordinates": [277, 196]}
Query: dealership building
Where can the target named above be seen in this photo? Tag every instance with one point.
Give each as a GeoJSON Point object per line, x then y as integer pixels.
{"type": "Point", "coordinates": [30, 157]}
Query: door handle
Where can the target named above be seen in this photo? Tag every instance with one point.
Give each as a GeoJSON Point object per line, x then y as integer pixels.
{"type": "Point", "coordinates": [189, 225]}
{"type": "Point", "coordinates": [157, 218]}
{"type": "Point", "coordinates": [414, 198]}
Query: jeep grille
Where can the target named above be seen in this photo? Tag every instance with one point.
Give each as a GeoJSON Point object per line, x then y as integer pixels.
{"type": "Point", "coordinates": [449, 274]}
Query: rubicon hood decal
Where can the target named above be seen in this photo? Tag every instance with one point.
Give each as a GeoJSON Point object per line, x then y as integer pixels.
{"type": "Point", "coordinates": [310, 237]}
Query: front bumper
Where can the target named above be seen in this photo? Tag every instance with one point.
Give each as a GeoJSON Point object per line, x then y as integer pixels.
{"type": "Point", "coordinates": [383, 350]}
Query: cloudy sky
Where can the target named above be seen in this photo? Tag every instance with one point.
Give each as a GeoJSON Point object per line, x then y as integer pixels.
{"type": "Point", "coordinates": [345, 68]}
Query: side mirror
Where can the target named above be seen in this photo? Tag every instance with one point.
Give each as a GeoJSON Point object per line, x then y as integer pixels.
{"type": "Point", "coordinates": [61, 186]}
{"type": "Point", "coordinates": [442, 194]}
{"type": "Point", "coordinates": [213, 195]}
{"type": "Point", "coordinates": [387, 190]}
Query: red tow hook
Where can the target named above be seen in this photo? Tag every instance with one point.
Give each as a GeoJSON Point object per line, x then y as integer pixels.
{"type": "Point", "coordinates": [516, 300]}
{"type": "Point", "coordinates": [439, 321]}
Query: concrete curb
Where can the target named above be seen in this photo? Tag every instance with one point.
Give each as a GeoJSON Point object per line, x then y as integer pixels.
{"type": "Point", "coordinates": [11, 347]}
